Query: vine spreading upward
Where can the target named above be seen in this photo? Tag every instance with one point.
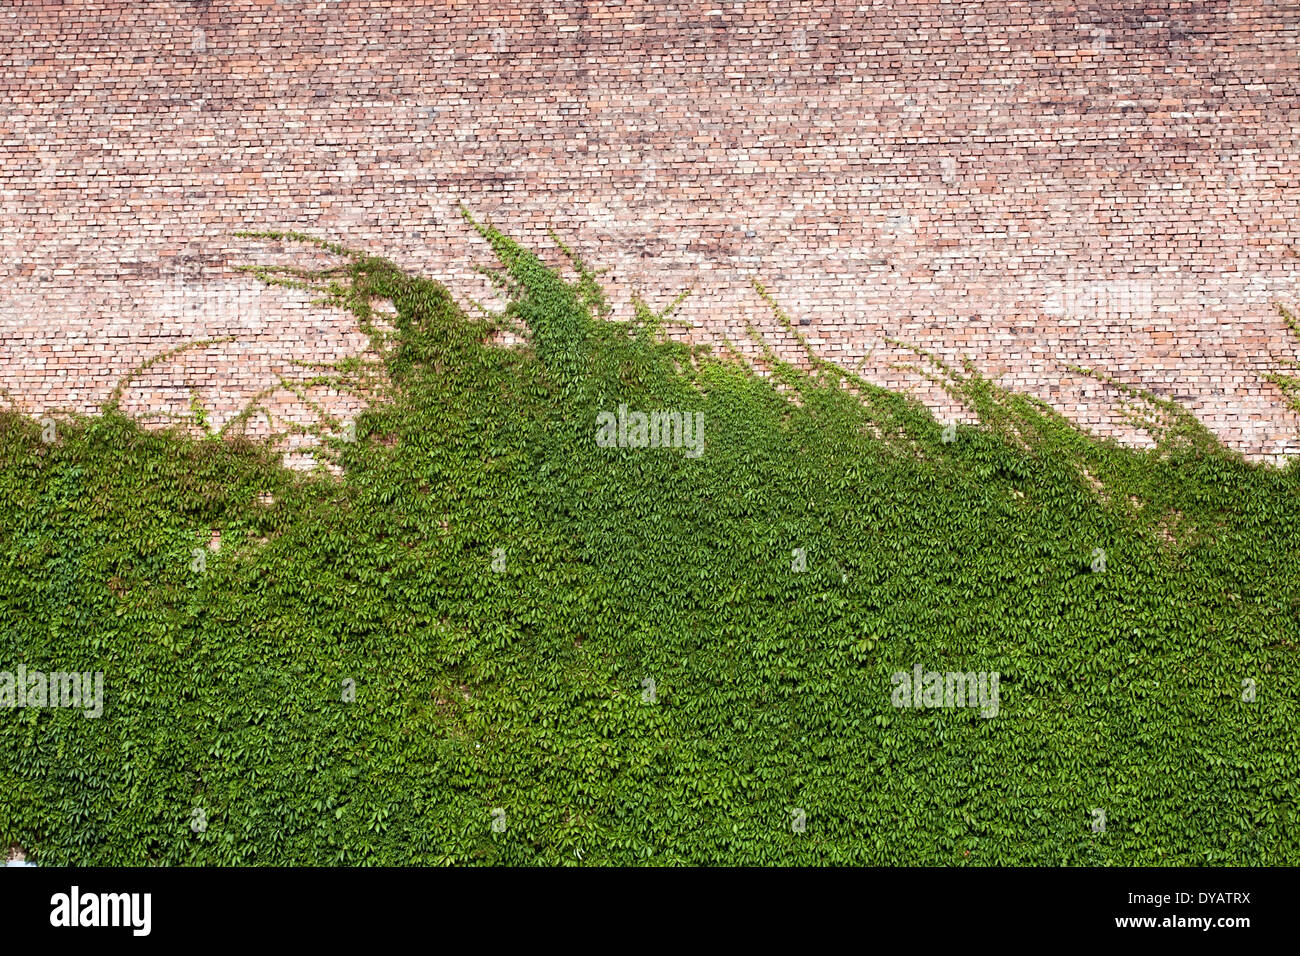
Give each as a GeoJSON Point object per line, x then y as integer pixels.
{"type": "Point", "coordinates": [497, 640]}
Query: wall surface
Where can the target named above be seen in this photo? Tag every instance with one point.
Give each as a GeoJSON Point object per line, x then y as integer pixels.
{"type": "Point", "coordinates": [1031, 184]}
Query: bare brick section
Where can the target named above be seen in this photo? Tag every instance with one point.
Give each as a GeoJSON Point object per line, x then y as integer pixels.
{"type": "Point", "coordinates": [1030, 184]}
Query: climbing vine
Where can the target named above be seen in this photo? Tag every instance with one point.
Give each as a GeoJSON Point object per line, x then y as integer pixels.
{"type": "Point", "coordinates": [499, 640]}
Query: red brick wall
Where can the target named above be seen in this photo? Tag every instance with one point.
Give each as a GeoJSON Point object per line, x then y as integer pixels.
{"type": "Point", "coordinates": [1032, 184]}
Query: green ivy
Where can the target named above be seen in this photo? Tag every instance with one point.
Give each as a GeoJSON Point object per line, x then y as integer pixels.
{"type": "Point", "coordinates": [498, 592]}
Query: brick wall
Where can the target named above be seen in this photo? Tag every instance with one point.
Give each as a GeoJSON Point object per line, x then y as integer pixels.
{"type": "Point", "coordinates": [1031, 184]}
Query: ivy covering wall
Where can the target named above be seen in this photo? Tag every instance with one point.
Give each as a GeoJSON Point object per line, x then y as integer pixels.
{"type": "Point", "coordinates": [494, 641]}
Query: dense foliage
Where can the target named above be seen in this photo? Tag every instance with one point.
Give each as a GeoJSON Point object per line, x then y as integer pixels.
{"type": "Point", "coordinates": [567, 653]}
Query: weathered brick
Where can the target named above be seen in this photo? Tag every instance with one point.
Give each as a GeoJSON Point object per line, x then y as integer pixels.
{"type": "Point", "coordinates": [1032, 184]}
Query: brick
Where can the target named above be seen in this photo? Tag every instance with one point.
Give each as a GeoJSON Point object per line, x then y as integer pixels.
{"type": "Point", "coordinates": [1030, 184]}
